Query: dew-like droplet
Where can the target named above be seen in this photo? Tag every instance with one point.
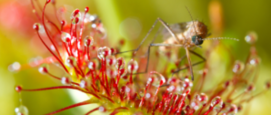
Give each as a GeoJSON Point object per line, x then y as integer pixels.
{"type": "Point", "coordinates": [44, 68]}
{"type": "Point", "coordinates": [148, 96]}
{"type": "Point", "coordinates": [103, 52]}
{"type": "Point", "coordinates": [132, 66]}
{"type": "Point", "coordinates": [65, 81]}
{"type": "Point", "coordinates": [120, 63]}
{"type": "Point", "coordinates": [195, 105]}
{"type": "Point", "coordinates": [238, 67]}
{"type": "Point", "coordinates": [21, 110]}
{"type": "Point", "coordinates": [65, 37]}
{"type": "Point", "coordinates": [48, 1]}
{"type": "Point", "coordinates": [127, 89]}
{"type": "Point", "coordinates": [110, 60]}
{"type": "Point", "coordinates": [16, 66]}
{"type": "Point", "coordinates": [88, 41]}
{"type": "Point", "coordinates": [92, 65]}
{"type": "Point", "coordinates": [224, 107]}
{"type": "Point", "coordinates": [122, 72]}
{"type": "Point", "coordinates": [90, 18]}
{"type": "Point", "coordinates": [76, 14]}
{"type": "Point", "coordinates": [86, 9]}
{"type": "Point", "coordinates": [111, 72]}
{"type": "Point", "coordinates": [187, 84]}
{"type": "Point", "coordinates": [217, 101]}
{"type": "Point", "coordinates": [85, 83]}
{"type": "Point", "coordinates": [18, 88]}
{"type": "Point", "coordinates": [174, 85]}
{"type": "Point", "coordinates": [250, 88]}
{"type": "Point", "coordinates": [113, 51]}
{"type": "Point", "coordinates": [251, 37]}
{"type": "Point", "coordinates": [38, 27]}
{"type": "Point", "coordinates": [203, 98]}
{"type": "Point", "coordinates": [254, 61]}
{"type": "Point", "coordinates": [75, 20]}
{"type": "Point", "coordinates": [158, 79]}
{"type": "Point", "coordinates": [71, 61]}
{"type": "Point", "coordinates": [102, 109]}
{"type": "Point", "coordinates": [63, 22]}
{"type": "Point", "coordinates": [227, 83]}
{"type": "Point", "coordinates": [232, 110]}
{"type": "Point", "coordinates": [52, 47]}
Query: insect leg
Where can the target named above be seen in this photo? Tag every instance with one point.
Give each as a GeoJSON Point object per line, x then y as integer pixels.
{"type": "Point", "coordinates": [163, 23]}
{"type": "Point", "coordinates": [152, 44]}
{"type": "Point", "coordinates": [146, 36]}
{"type": "Point", "coordinates": [148, 53]}
{"type": "Point", "coordinates": [196, 54]}
{"type": "Point", "coordinates": [186, 48]}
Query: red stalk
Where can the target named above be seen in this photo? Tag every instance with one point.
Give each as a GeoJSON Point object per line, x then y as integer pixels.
{"type": "Point", "coordinates": [95, 109]}
{"type": "Point", "coordinates": [71, 106]}
{"type": "Point", "coordinates": [52, 53]}
{"type": "Point", "coordinates": [45, 28]}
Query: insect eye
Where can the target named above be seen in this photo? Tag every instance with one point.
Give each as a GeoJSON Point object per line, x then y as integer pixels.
{"type": "Point", "coordinates": [197, 40]}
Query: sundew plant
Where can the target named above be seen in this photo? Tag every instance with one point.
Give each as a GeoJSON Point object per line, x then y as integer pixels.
{"type": "Point", "coordinates": [79, 47]}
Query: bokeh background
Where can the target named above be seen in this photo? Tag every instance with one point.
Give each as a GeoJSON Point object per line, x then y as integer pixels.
{"type": "Point", "coordinates": [129, 20]}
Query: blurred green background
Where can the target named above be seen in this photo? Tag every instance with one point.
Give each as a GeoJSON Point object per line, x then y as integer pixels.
{"type": "Point", "coordinates": [129, 19]}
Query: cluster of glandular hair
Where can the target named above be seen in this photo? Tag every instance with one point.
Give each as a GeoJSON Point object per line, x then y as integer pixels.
{"type": "Point", "coordinates": [80, 49]}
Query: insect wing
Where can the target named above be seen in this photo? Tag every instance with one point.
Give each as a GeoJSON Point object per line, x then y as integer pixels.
{"type": "Point", "coordinates": [176, 28]}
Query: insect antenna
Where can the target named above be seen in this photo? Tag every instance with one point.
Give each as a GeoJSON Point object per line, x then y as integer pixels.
{"type": "Point", "coordinates": [219, 38]}
{"type": "Point", "coordinates": [191, 19]}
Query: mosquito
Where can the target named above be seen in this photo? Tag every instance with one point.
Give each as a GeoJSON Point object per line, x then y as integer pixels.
{"type": "Point", "coordinates": [186, 35]}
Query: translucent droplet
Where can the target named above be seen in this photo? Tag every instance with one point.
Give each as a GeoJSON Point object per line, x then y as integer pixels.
{"type": "Point", "coordinates": [158, 79]}
{"type": "Point", "coordinates": [90, 18]}
{"type": "Point", "coordinates": [110, 60]}
{"type": "Point", "coordinates": [174, 85]}
{"type": "Point", "coordinates": [76, 14]}
{"type": "Point", "coordinates": [112, 73]}
{"type": "Point", "coordinates": [35, 61]}
{"type": "Point", "coordinates": [195, 105]}
{"type": "Point", "coordinates": [52, 47]}
{"type": "Point", "coordinates": [92, 65]}
{"type": "Point", "coordinates": [103, 52]}
{"type": "Point", "coordinates": [250, 88]}
{"type": "Point", "coordinates": [85, 83]}
{"type": "Point", "coordinates": [224, 108]}
{"type": "Point", "coordinates": [238, 67]}
{"type": "Point", "coordinates": [18, 88]}
{"type": "Point", "coordinates": [232, 110]}
{"type": "Point", "coordinates": [120, 63]}
{"type": "Point", "coordinates": [93, 25]}
{"type": "Point", "coordinates": [44, 68]}
{"type": "Point", "coordinates": [89, 41]}
{"type": "Point", "coordinates": [66, 37]}
{"type": "Point", "coordinates": [16, 66]}
{"type": "Point", "coordinates": [187, 84]}
{"type": "Point", "coordinates": [71, 61]}
{"type": "Point", "coordinates": [127, 89]}
{"type": "Point", "coordinates": [203, 98]}
{"type": "Point", "coordinates": [102, 109]}
{"type": "Point", "coordinates": [39, 28]}
{"type": "Point", "coordinates": [251, 37]}
{"type": "Point", "coordinates": [147, 96]}
{"type": "Point", "coordinates": [21, 110]}
{"type": "Point", "coordinates": [65, 81]}
{"type": "Point", "coordinates": [217, 101]}
{"type": "Point", "coordinates": [122, 72]}
{"type": "Point", "coordinates": [255, 60]}
{"type": "Point", "coordinates": [132, 66]}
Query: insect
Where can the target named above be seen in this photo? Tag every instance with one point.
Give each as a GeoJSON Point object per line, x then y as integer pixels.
{"type": "Point", "coordinates": [186, 35]}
